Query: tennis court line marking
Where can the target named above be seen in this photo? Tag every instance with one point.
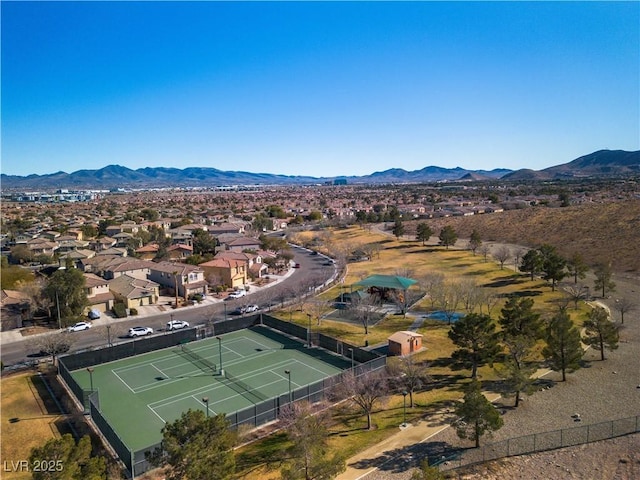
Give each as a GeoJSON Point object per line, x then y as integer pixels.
{"type": "Point", "coordinates": [156, 414]}
{"type": "Point", "coordinates": [125, 383]}
{"type": "Point", "coordinates": [199, 391]}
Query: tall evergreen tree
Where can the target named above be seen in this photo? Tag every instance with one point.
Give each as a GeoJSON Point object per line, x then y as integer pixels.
{"type": "Point", "coordinates": [563, 350]}
{"type": "Point", "coordinates": [603, 280]}
{"type": "Point", "coordinates": [577, 267]}
{"type": "Point", "coordinates": [423, 232]}
{"type": "Point", "coordinates": [398, 228]}
{"type": "Point", "coordinates": [518, 318]}
{"type": "Point", "coordinates": [476, 415]}
{"type": "Point", "coordinates": [515, 370]}
{"type": "Point", "coordinates": [448, 236]}
{"type": "Point", "coordinates": [195, 447]}
{"type": "Point", "coordinates": [600, 332]}
{"type": "Point", "coordinates": [553, 265]}
{"type": "Point", "coordinates": [476, 336]}
{"type": "Point", "coordinates": [474, 241]}
{"type": "Point", "coordinates": [531, 263]}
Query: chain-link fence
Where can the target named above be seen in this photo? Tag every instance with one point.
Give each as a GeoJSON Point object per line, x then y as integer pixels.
{"type": "Point", "coordinates": [362, 361]}
{"type": "Point", "coordinates": [539, 442]}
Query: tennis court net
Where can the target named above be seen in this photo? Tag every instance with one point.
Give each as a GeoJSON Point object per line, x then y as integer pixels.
{"type": "Point", "coordinates": [198, 360]}
{"type": "Point", "coordinates": [243, 389]}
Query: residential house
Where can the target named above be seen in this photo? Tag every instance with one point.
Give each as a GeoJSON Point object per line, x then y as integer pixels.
{"type": "Point", "coordinates": [98, 294]}
{"type": "Point", "coordinates": [179, 251]}
{"type": "Point", "coordinates": [188, 279]}
{"type": "Point", "coordinates": [122, 252]}
{"type": "Point", "coordinates": [102, 243]}
{"type": "Point", "coordinates": [133, 267]}
{"type": "Point", "coordinates": [14, 309]}
{"type": "Point", "coordinates": [255, 267]}
{"type": "Point", "coordinates": [241, 244]}
{"type": "Point", "coordinates": [228, 271]}
{"type": "Point", "coordinates": [148, 252]}
{"type": "Point", "coordinates": [134, 292]}
{"type": "Point", "coordinates": [42, 246]}
{"type": "Point", "coordinates": [76, 256]}
{"type": "Point", "coordinates": [226, 227]}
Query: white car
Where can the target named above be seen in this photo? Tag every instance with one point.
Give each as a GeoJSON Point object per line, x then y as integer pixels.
{"type": "Point", "coordinates": [177, 324]}
{"type": "Point", "coordinates": [140, 331]}
{"type": "Point", "coordinates": [251, 308]}
{"type": "Point", "coordinates": [237, 294]}
{"type": "Point", "coordinates": [78, 327]}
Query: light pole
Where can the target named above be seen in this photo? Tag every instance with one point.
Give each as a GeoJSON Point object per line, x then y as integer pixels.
{"type": "Point", "coordinates": [404, 408]}
{"type": "Point", "coordinates": [220, 354]}
{"type": "Point", "coordinates": [205, 400]}
{"type": "Point", "coordinates": [108, 335]}
{"type": "Point", "coordinates": [309, 331]}
{"type": "Point", "coordinates": [225, 310]}
{"type": "Point", "coordinates": [352, 362]}
{"type": "Point", "coordinates": [288, 372]}
{"type": "Point", "coordinates": [90, 370]}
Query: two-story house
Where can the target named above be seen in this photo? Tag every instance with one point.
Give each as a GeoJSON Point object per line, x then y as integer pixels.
{"type": "Point", "coordinates": [134, 292]}
{"type": "Point", "coordinates": [98, 294]}
{"type": "Point", "coordinates": [187, 279]}
{"type": "Point", "coordinates": [229, 272]}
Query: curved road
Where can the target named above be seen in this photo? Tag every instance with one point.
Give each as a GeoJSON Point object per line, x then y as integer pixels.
{"type": "Point", "coordinates": [314, 271]}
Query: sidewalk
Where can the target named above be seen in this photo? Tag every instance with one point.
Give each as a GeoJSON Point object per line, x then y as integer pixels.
{"type": "Point", "coordinates": [163, 306]}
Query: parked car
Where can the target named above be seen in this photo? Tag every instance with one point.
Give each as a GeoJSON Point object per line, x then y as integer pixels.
{"type": "Point", "coordinates": [251, 308]}
{"type": "Point", "coordinates": [140, 331]}
{"type": "Point", "coordinates": [237, 294]}
{"type": "Point", "coordinates": [296, 265]}
{"type": "Point", "coordinates": [78, 327]}
{"type": "Point", "coordinates": [177, 324]}
{"type": "Point", "coordinates": [93, 314]}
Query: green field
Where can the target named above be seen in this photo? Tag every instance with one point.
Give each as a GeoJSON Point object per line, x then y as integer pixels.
{"type": "Point", "coordinates": [138, 395]}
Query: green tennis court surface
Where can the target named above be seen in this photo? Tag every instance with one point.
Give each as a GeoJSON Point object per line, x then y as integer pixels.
{"type": "Point", "coordinates": [139, 394]}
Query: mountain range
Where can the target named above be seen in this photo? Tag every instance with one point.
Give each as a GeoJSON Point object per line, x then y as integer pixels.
{"type": "Point", "coordinates": [607, 163]}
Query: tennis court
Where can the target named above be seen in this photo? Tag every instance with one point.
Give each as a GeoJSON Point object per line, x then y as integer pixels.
{"type": "Point", "coordinates": [138, 395]}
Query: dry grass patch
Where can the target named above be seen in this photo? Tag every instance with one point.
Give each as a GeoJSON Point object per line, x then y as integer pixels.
{"type": "Point", "coordinates": [26, 423]}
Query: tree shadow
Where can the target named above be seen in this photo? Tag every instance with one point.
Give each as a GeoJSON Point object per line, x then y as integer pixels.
{"type": "Point", "coordinates": [401, 459]}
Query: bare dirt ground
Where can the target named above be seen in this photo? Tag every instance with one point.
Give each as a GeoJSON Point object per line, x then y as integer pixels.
{"type": "Point", "coordinates": [615, 459]}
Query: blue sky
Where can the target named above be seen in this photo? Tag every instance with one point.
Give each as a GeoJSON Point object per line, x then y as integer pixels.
{"type": "Point", "coordinates": [316, 88]}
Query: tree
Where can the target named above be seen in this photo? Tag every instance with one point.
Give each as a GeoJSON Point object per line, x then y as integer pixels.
{"type": "Point", "coordinates": [531, 263]}
{"type": "Point", "coordinates": [53, 344]}
{"type": "Point", "coordinates": [484, 250]}
{"type": "Point", "coordinates": [515, 371]}
{"type": "Point", "coordinates": [502, 254]}
{"type": "Point", "coordinates": [563, 350]}
{"type": "Point", "coordinates": [203, 242]}
{"type": "Point", "coordinates": [576, 267]}
{"type": "Point", "coordinates": [66, 460]}
{"type": "Point", "coordinates": [398, 228]}
{"type": "Point", "coordinates": [624, 305]}
{"type": "Point", "coordinates": [423, 232]}
{"type": "Point", "coordinates": [427, 472]}
{"type": "Point", "coordinates": [446, 296]}
{"type": "Point", "coordinates": [600, 332]}
{"type": "Point", "coordinates": [308, 457]}
{"type": "Point", "coordinates": [603, 280]}
{"type": "Point", "coordinates": [66, 290]}
{"type": "Point", "coordinates": [476, 336]}
{"type": "Point", "coordinates": [448, 236]}
{"type": "Point", "coordinates": [518, 318]}
{"type": "Point", "coordinates": [474, 241]}
{"type": "Point", "coordinates": [408, 375]}
{"type": "Point", "coordinates": [196, 448]}
{"type": "Point", "coordinates": [553, 265]}
{"type": "Point", "coordinates": [476, 415]}
{"type": "Point", "coordinates": [365, 390]}
{"type": "Point", "coordinates": [364, 308]}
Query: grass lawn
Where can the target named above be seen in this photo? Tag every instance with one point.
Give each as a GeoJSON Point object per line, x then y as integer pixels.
{"type": "Point", "coordinates": [411, 259]}
{"type": "Point", "coordinates": [26, 421]}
